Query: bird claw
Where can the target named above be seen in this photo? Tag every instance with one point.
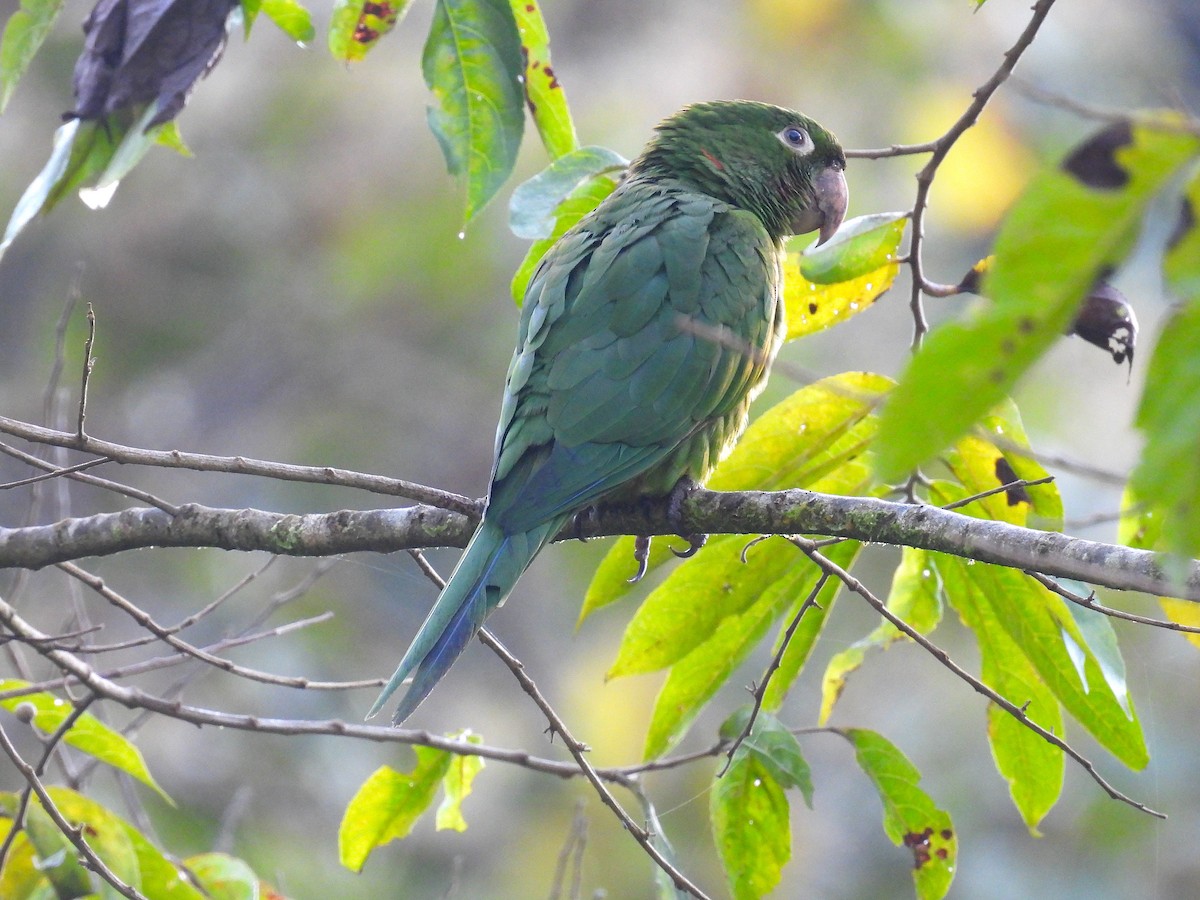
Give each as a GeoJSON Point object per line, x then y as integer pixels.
{"type": "Point", "coordinates": [695, 542]}
{"type": "Point", "coordinates": [641, 553]}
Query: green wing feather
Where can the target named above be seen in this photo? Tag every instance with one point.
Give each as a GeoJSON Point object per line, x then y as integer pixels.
{"type": "Point", "coordinates": [618, 381]}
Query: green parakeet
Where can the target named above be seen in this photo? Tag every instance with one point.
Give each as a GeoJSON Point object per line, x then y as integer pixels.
{"type": "Point", "coordinates": [617, 388]}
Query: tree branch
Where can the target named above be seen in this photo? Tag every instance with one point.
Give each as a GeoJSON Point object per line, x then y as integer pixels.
{"type": "Point", "coordinates": [238, 465]}
{"type": "Point", "coordinates": [704, 512]}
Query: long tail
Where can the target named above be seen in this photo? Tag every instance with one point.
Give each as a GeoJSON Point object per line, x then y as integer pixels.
{"type": "Point", "coordinates": [483, 578]}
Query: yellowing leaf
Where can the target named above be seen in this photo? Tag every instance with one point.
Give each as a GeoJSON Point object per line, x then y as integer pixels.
{"type": "Point", "coordinates": [831, 283]}
{"type": "Point", "coordinates": [815, 307]}
{"type": "Point", "coordinates": [356, 26]}
{"type": "Point", "coordinates": [457, 785]}
{"type": "Point", "coordinates": [387, 806]}
{"type": "Point", "coordinates": [543, 94]}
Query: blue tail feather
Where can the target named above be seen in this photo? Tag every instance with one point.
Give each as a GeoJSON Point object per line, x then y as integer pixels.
{"type": "Point", "coordinates": [483, 578]}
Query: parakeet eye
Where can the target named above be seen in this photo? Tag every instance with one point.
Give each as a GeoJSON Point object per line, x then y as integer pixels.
{"type": "Point", "coordinates": [796, 138]}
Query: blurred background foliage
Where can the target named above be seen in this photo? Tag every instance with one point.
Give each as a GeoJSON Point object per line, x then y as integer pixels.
{"type": "Point", "coordinates": [299, 291]}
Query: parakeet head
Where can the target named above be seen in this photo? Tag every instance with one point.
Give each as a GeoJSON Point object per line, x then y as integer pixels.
{"type": "Point", "coordinates": [774, 162]}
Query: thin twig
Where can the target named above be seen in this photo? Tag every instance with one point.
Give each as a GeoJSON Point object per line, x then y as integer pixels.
{"type": "Point", "coordinates": [239, 465]}
{"type": "Point", "coordinates": [760, 691]}
{"type": "Point", "coordinates": [577, 749]}
{"type": "Point", "coordinates": [72, 833]}
{"type": "Point", "coordinates": [942, 146]}
{"type": "Point", "coordinates": [145, 620]}
{"type": "Point", "coordinates": [89, 363]}
{"type": "Point", "coordinates": [1089, 602]}
{"type": "Point", "coordinates": [75, 473]}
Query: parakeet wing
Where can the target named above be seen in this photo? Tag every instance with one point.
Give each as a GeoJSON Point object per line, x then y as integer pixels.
{"type": "Point", "coordinates": [637, 333]}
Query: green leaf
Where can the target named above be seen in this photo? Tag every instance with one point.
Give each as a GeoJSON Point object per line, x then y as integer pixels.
{"type": "Point", "coordinates": [586, 196]}
{"type": "Point", "coordinates": [544, 95]}
{"type": "Point", "coordinates": [915, 597]}
{"type": "Point", "coordinates": [456, 783]}
{"type": "Point", "coordinates": [810, 435]}
{"type": "Point", "coordinates": [88, 735]}
{"type": "Point", "coordinates": [775, 747]}
{"type": "Point", "coordinates": [293, 19]}
{"type": "Point", "coordinates": [696, 677]}
{"type": "Point", "coordinates": [24, 34]}
{"type": "Point", "coordinates": [534, 205]}
{"type": "Point", "coordinates": [472, 65]}
{"type": "Point", "coordinates": [750, 819]}
{"type": "Point", "coordinates": [1101, 639]}
{"type": "Point", "coordinates": [224, 877]}
{"type": "Point", "coordinates": [106, 833]}
{"type": "Point", "coordinates": [1168, 475]}
{"type": "Point", "coordinates": [20, 878]}
{"type": "Point", "coordinates": [149, 870]}
{"type": "Point", "coordinates": [610, 582]}
{"type": "Point", "coordinates": [128, 153]}
{"type": "Point", "coordinates": [356, 26]}
{"type": "Point", "coordinates": [1072, 223]}
{"type": "Point", "coordinates": [388, 805]}
{"type": "Point", "coordinates": [1141, 527]}
{"type": "Point", "coordinates": [57, 859]}
{"type": "Point", "coordinates": [1045, 631]}
{"type": "Point", "coordinates": [1032, 766]}
{"type": "Point", "coordinates": [860, 247]}
{"type": "Point", "coordinates": [686, 610]}
{"type": "Point", "coordinates": [910, 818]}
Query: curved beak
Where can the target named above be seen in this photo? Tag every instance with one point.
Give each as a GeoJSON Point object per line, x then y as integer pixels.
{"type": "Point", "coordinates": [833, 196]}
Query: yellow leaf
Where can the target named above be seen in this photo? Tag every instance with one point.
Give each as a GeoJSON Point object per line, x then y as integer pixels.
{"type": "Point", "coordinates": [815, 307]}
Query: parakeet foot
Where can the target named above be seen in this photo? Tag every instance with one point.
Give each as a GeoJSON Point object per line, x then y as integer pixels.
{"type": "Point", "coordinates": [695, 542]}
{"type": "Point", "coordinates": [641, 553]}
{"type": "Point", "coordinates": [675, 501]}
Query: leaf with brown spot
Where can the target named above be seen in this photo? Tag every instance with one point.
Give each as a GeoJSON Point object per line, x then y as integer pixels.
{"type": "Point", "coordinates": [544, 95]}
{"type": "Point", "coordinates": [910, 817]}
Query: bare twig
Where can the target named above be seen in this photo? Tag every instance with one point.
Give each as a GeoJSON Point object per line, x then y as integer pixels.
{"type": "Point", "coordinates": [89, 363]}
{"type": "Point", "coordinates": [760, 691]}
{"type": "Point", "coordinates": [144, 619]}
{"type": "Point", "coordinates": [238, 465]}
{"type": "Point", "coordinates": [941, 147]}
{"type": "Point", "coordinates": [1090, 602]}
{"type": "Point", "coordinates": [75, 473]}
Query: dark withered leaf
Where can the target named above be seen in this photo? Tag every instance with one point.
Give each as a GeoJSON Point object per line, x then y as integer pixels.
{"type": "Point", "coordinates": [139, 51]}
{"type": "Point", "coordinates": [1106, 319]}
{"type": "Point", "coordinates": [972, 282]}
{"type": "Point", "coordinates": [1094, 162]}
{"type": "Point", "coordinates": [1006, 474]}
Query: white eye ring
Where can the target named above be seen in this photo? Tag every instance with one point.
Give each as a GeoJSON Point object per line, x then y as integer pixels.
{"type": "Point", "coordinates": [796, 139]}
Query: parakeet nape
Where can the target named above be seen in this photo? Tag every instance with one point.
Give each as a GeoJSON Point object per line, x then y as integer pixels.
{"type": "Point", "coordinates": [617, 388]}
